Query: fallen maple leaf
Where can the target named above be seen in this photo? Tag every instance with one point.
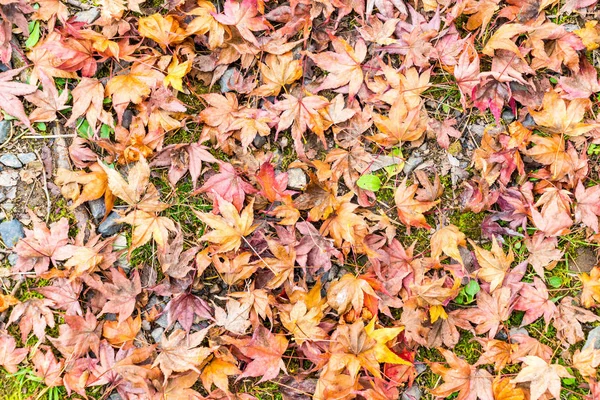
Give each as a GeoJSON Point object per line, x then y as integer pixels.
{"type": "Point", "coordinates": [541, 376]}
{"type": "Point", "coordinates": [494, 264]}
{"type": "Point", "coordinates": [344, 65]}
{"type": "Point", "coordinates": [243, 16]}
{"type": "Point", "coordinates": [533, 299]}
{"type": "Point", "coordinates": [590, 294]}
{"type": "Point", "coordinates": [10, 355]}
{"type": "Point", "coordinates": [42, 246]}
{"type": "Point", "coordinates": [228, 185]}
{"type": "Point", "coordinates": [87, 99]}
{"type": "Point", "coordinates": [163, 30]}
{"type": "Point", "coordinates": [217, 373]}
{"type": "Point", "coordinates": [230, 228]}
{"type": "Point", "coordinates": [265, 349]}
{"type": "Point", "coordinates": [146, 226]}
{"type": "Point", "coordinates": [9, 92]}
{"type": "Point", "coordinates": [410, 210]}
{"type": "Point", "coordinates": [276, 72]}
{"type": "Point", "coordinates": [470, 382]}
{"type": "Point", "coordinates": [137, 191]}
{"type": "Point", "coordinates": [180, 352]}
{"type": "Point", "coordinates": [558, 117]}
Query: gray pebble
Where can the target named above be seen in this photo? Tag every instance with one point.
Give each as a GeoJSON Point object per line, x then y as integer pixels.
{"type": "Point", "coordinates": [412, 163]}
{"type": "Point", "coordinates": [412, 393]}
{"type": "Point", "coordinates": [88, 16]}
{"type": "Point", "coordinates": [4, 130]}
{"type": "Point", "coordinates": [259, 141]}
{"type": "Point", "coordinates": [127, 118]}
{"type": "Point", "coordinates": [10, 160]}
{"type": "Point", "coordinates": [224, 81]}
{"type": "Point", "coordinates": [26, 158]}
{"type": "Point", "coordinates": [593, 339]}
{"type": "Point", "coordinates": [157, 334]}
{"type": "Point", "coordinates": [11, 231]}
{"type": "Point", "coordinates": [8, 207]}
{"type": "Point", "coordinates": [2, 197]}
{"type": "Point", "coordinates": [296, 178]}
{"type": "Point", "coordinates": [162, 320]}
{"type": "Point", "coordinates": [12, 259]}
{"type": "Point", "coordinates": [508, 116]}
{"type": "Point", "coordinates": [2, 215]}
{"type": "Point", "coordinates": [528, 122]}
{"type": "Point", "coordinates": [115, 396]}
{"type": "Point", "coordinates": [110, 226]}
{"type": "Point", "coordinates": [97, 208]}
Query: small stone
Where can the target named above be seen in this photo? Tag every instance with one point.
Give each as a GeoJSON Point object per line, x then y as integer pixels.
{"type": "Point", "coordinates": [97, 208]}
{"type": "Point", "coordinates": [2, 215]}
{"type": "Point", "coordinates": [518, 331]}
{"type": "Point", "coordinates": [127, 118]}
{"type": "Point", "coordinates": [501, 335]}
{"type": "Point", "coordinates": [224, 81]}
{"type": "Point", "coordinates": [259, 141]}
{"type": "Point", "coordinates": [146, 325]}
{"type": "Point", "coordinates": [87, 16]}
{"type": "Point", "coordinates": [528, 122]}
{"type": "Point", "coordinates": [12, 259]}
{"type": "Point", "coordinates": [157, 334]}
{"type": "Point", "coordinates": [8, 207]}
{"type": "Point", "coordinates": [115, 396]}
{"type": "Point", "coordinates": [11, 231]}
{"type": "Point", "coordinates": [2, 197]}
{"type": "Point", "coordinates": [508, 116]}
{"type": "Point", "coordinates": [412, 163]}
{"type": "Point", "coordinates": [593, 339]}
{"type": "Point", "coordinates": [10, 160]}
{"type": "Point", "coordinates": [110, 226]}
{"type": "Point", "coordinates": [412, 393]}
{"type": "Point", "coordinates": [11, 193]}
{"type": "Point", "coordinates": [296, 178]}
{"type": "Point", "coordinates": [571, 27]}
{"type": "Point", "coordinates": [4, 130]}
{"type": "Point", "coordinates": [26, 158]}
{"type": "Point", "coordinates": [162, 320]}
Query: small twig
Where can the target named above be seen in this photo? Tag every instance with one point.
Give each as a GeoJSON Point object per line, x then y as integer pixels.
{"type": "Point", "coordinates": [78, 4]}
{"type": "Point", "coordinates": [45, 187]}
{"type": "Point", "coordinates": [48, 136]}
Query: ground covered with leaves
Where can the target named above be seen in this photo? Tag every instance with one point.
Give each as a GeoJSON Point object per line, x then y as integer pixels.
{"type": "Point", "coordinates": [328, 199]}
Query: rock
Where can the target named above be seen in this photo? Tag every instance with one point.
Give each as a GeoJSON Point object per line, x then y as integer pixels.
{"type": "Point", "coordinates": [127, 118]}
{"type": "Point", "coordinates": [8, 207]}
{"type": "Point", "coordinates": [12, 259]}
{"type": "Point", "coordinates": [26, 158]}
{"type": "Point", "coordinates": [10, 160]}
{"type": "Point", "coordinates": [296, 178]}
{"type": "Point", "coordinates": [508, 116]}
{"type": "Point", "coordinates": [259, 141]}
{"type": "Point", "coordinates": [11, 193]}
{"type": "Point", "coordinates": [11, 231]}
{"type": "Point", "coordinates": [501, 335]}
{"type": "Point", "coordinates": [593, 339]}
{"type": "Point", "coordinates": [115, 396]}
{"type": "Point", "coordinates": [528, 122]}
{"type": "Point", "coordinates": [88, 16]}
{"type": "Point", "coordinates": [162, 320]}
{"type": "Point", "coordinates": [412, 393]}
{"type": "Point", "coordinates": [2, 197]}
{"type": "Point", "coordinates": [4, 130]}
{"type": "Point", "coordinates": [517, 331]}
{"type": "Point", "coordinates": [97, 208]}
{"type": "Point", "coordinates": [2, 215]}
{"type": "Point", "coordinates": [224, 81]}
{"type": "Point", "coordinates": [571, 27]}
{"type": "Point", "coordinates": [5, 67]}
{"type": "Point", "coordinates": [157, 334]}
{"type": "Point", "coordinates": [412, 163]}
{"type": "Point", "coordinates": [585, 259]}
{"type": "Point", "coordinates": [110, 226]}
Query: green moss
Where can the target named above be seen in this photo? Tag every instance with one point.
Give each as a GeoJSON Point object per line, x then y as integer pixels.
{"type": "Point", "coordinates": [468, 223]}
{"type": "Point", "coordinates": [468, 348]}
